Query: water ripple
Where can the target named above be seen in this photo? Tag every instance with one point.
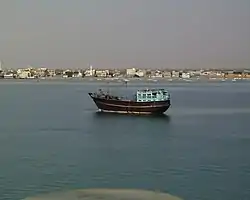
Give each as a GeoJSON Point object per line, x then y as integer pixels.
{"type": "Point", "coordinates": [214, 169]}
{"type": "Point", "coordinates": [210, 111]}
{"type": "Point", "coordinates": [57, 129]}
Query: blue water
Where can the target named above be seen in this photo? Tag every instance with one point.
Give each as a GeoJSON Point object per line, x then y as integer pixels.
{"type": "Point", "coordinates": [52, 139]}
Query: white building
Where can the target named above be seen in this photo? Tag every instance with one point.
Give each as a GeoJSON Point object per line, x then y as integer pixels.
{"type": "Point", "coordinates": [156, 74]}
{"type": "Point", "coordinates": [77, 75]}
{"type": "Point", "coordinates": [185, 75]}
{"type": "Point", "coordinates": [175, 74]}
{"type": "Point", "coordinates": [140, 73]}
{"type": "Point", "coordinates": [131, 72]}
{"type": "Point", "coordinates": [8, 76]}
{"type": "Point", "coordinates": [90, 71]}
{"type": "Point", "coordinates": [102, 73]}
{"type": "Point", "coordinates": [23, 74]}
{"type": "Point", "coordinates": [167, 74]}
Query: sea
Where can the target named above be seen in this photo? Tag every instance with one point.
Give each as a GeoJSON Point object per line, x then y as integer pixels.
{"type": "Point", "coordinates": [52, 139]}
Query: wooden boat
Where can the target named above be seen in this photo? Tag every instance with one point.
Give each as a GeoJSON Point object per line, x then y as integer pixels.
{"type": "Point", "coordinates": [147, 101]}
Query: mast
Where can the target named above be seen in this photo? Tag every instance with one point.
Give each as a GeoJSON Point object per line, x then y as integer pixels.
{"type": "Point", "coordinates": [126, 83]}
{"type": "Point", "coordinates": [108, 87]}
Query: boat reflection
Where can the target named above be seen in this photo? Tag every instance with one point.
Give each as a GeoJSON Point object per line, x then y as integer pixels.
{"type": "Point", "coordinates": [111, 194]}
{"type": "Point", "coordinates": [110, 115]}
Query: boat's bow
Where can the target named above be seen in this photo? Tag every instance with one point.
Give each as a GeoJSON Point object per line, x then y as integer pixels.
{"type": "Point", "coordinates": [91, 94]}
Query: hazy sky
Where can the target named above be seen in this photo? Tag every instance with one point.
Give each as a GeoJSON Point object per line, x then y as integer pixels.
{"type": "Point", "coordinates": [124, 33]}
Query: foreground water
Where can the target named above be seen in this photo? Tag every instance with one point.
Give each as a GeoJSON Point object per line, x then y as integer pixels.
{"type": "Point", "coordinates": [52, 139]}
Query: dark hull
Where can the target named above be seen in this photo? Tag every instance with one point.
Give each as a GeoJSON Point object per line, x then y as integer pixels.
{"type": "Point", "coordinates": [130, 107]}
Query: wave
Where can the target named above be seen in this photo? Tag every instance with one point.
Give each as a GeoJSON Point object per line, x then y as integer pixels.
{"type": "Point", "coordinates": [209, 111]}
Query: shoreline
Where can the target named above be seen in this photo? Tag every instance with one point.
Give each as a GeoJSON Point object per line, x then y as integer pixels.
{"type": "Point", "coordinates": [126, 80]}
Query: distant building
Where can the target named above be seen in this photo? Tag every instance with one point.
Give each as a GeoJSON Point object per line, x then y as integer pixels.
{"type": "Point", "coordinates": [9, 74]}
{"type": "Point", "coordinates": [90, 71]}
{"type": "Point", "coordinates": [175, 74]}
{"type": "Point", "coordinates": [51, 72]}
{"type": "Point", "coordinates": [117, 73]}
{"type": "Point", "coordinates": [246, 73]}
{"type": "Point", "coordinates": [41, 72]}
{"type": "Point", "coordinates": [77, 74]}
{"type": "Point", "coordinates": [131, 72]}
{"type": "Point", "coordinates": [156, 74]}
{"type": "Point", "coordinates": [101, 73]}
{"type": "Point", "coordinates": [140, 73]}
{"type": "Point", "coordinates": [185, 75]}
{"type": "Point", "coordinates": [167, 74]}
{"type": "Point", "coordinates": [234, 74]}
{"type": "Point", "coordinates": [67, 73]}
{"type": "Point", "coordinates": [194, 73]}
{"type": "Point", "coordinates": [24, 73]}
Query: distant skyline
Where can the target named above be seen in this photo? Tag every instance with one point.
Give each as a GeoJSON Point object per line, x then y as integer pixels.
{"type": "Point", "coordinates": [125, 33]}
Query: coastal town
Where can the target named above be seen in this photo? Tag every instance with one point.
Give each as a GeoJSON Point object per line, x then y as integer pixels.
{"type": "Point", "coordinates": [42, 73]}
